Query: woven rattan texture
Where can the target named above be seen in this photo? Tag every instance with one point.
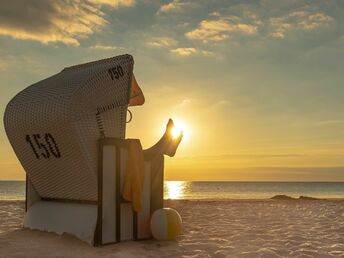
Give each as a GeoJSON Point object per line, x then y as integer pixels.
{"type": "Point", "coordinates": [53, 125]}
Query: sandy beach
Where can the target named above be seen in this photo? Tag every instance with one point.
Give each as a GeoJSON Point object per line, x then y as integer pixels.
{"type": "Point", "coordinates": [231, 228]}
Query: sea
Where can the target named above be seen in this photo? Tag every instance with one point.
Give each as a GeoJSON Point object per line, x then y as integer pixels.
{"type": "Point", "coordinates": [15, 190]}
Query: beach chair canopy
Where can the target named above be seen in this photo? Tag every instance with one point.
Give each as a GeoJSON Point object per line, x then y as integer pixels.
{"type": "Point", "coordinates": [53, 125]}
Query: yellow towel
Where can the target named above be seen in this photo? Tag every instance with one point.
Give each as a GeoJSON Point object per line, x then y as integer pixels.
{"type": "Point", "coordinates": [134, 174]}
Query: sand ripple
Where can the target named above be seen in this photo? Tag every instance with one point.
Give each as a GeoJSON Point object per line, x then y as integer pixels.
{"type": "Point", "coordinates": [266, 228]}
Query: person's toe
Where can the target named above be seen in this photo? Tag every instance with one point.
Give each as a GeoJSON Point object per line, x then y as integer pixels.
{"type": "Point", "coordinates": [170, 125]}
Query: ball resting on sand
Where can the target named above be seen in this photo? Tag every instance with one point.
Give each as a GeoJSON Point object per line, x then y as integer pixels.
{"type": "Point", "coordinates": [166, 224]}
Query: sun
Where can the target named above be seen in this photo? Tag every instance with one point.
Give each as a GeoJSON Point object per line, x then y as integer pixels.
{"type": "Point", "coordinates": [180, 127]}
{"type": "Point", "coordinates": [176, 132]}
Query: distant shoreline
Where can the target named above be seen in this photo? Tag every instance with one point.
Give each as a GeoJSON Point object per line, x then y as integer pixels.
{"type": "Point", "coordinates": [202, 190]}
{"type": "Point", "coordinates": [224, 200]}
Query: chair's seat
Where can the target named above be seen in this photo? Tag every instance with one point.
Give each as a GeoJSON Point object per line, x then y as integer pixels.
{"type": "Point", "coordinates": [73, 218]}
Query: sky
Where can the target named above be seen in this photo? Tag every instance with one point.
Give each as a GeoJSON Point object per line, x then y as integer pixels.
{"type": "Point", "coordinates": [257, 84]}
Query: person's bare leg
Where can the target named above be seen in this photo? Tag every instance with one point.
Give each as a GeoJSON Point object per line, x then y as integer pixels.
{"type": "Point", "coordinates": [155, 156]}
{"type": "Point", "coordinates": [167, 145]}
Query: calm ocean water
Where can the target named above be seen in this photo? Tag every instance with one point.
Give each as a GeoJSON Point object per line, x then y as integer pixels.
{"type": "Point", "coordinates": [15, 190]}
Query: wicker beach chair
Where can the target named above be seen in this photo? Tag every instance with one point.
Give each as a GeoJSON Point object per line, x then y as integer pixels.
{"type": "Point", "coordinates": [68, 133]}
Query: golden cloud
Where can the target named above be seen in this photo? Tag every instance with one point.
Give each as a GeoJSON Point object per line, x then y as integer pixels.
{"type": "Point", "coordinates": [115, 3]}
{"type": "Point", "coordinates": [298, 20]}
{"type": "Point", "coordinates": [188, 51]}
{"type": "Point", "coordinates": [53, 21]}
{"type": "Point", "coordinates": [105, 47]}
{"type": "Point", "coordinates": [220, 29]}
{"type": "Point", "coordinates": [184, 51]}
{"type": "Point", "coordinates": [173, 6]}
{"type": "Point", "coordinates": [162, 42]}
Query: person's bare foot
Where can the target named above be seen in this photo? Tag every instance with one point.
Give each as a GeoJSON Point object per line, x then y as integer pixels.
{"type": "Point", "coordinates": [168, 132]}
{"type": "Point", "coordinates": [173, 145]}
{"type": "Point", "coordinates": [170, 143]}
{"type": "Point", "coordinates": [167, 145]}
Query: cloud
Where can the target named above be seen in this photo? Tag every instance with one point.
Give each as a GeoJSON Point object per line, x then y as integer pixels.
{"type": "Point", "coordinates": [215, 13]}
{"type": "Point", "coordinates": [323, 123]}
{"type": "Point", "coordinates": [162, 42]}
{"type": "Point", "coordinates": [105, 47]}
{"type": "Point", "coordinates": [331, 122]}
{"type": "Point", "coordinates": [115, 3]}
{"type": "Point", "coordinates": [220, 29]}
{"type": "Point", "coordinates": [219, 105]}
{"type": "Point", "coordinates": [185, 102]}
{"type": "Point", "coordinates": [184, 51]}
{"type": "Point", "coordinates": [298, 20]}
{"type": "Point", "coordinates": [245, 156]}
{"type": "Point", "coordinates": [49, 21]}
{"type": "Point", "coordinates": [188, 51]}
{"type": "Point", "coordinates": [173, 6]}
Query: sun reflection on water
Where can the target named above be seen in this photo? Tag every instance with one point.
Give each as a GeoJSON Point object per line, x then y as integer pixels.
{"type": "Point", "coordinates": [174, 189]}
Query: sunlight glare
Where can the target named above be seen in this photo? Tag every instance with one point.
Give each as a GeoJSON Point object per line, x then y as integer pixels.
{"type": "Point", "coordinates": [174, 189]}
{"type": "Point", "coordinates": [176, 132]}
{"type": "Point", "coordinates": [180, 127]}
